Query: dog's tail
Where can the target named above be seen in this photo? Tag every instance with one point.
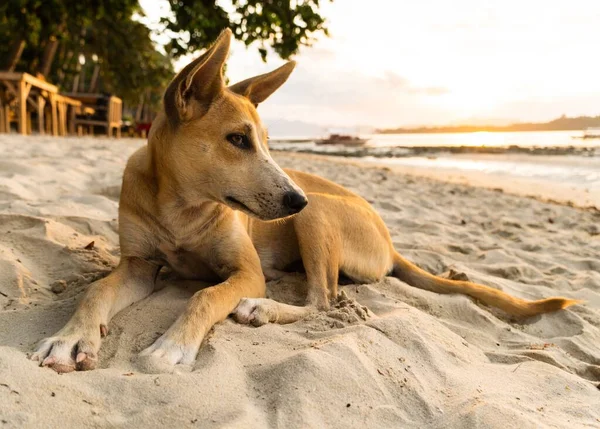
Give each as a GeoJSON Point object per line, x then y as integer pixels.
{"type": "Point", "coordinates": [415, 276]}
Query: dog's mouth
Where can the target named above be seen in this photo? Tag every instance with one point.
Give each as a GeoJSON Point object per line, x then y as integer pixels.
{"type": "Point", "coordinates": [237, 204]}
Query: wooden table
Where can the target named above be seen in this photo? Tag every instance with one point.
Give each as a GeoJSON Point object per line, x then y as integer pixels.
{"type": "Point", "coordinates": [20, 84]}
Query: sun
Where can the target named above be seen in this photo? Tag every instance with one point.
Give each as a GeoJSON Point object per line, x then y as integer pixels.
{"type": "Point", "coordinates": [475, 94]}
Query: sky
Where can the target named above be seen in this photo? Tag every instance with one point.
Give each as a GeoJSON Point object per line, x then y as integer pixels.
{"type": "Point", "coordinates": [436, 62]}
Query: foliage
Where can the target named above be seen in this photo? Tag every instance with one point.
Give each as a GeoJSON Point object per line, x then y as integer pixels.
{"type": "Point", "coordinates": [285, 25]}
{"type": "Point", "coordinates": [102, 32]}
{"type": "Point", "coordinates": [108, 37]}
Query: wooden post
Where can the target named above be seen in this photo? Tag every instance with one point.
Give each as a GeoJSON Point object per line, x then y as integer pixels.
{"type": "Point", "coordinates": [62, 118]}
{"type": "Point", "coordinates": [59, 109]}
{"type": "Point", "coordinates": [54, 115]}
{"type": "Point", "coordinates": [48, 121]}
{"type": "Point", "coordinates": [6, 118]}
{"type": "Point", "coordinates": [41, 103]}
{"type": "Point", "coordinates": [72, 112]}
{"type": "Point", "coordinates": [22, 107]}
{"type": "Point", "coordinates": [109, 116]}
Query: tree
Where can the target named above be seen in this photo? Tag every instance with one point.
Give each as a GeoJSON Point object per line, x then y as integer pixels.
{"type": "Point", "coordinates": [79, 44]}
{"type": "Point", "coordinates": [283, 24]}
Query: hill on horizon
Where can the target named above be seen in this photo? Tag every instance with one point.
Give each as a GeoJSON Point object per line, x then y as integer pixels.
{"type": "Point", "coordinates": [564, 123]}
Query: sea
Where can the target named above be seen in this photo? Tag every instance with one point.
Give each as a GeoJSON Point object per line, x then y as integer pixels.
{"type": "Point", "coordinates": [548, 157]}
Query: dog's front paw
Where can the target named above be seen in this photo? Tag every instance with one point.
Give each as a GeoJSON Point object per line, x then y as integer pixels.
{"type": "Point", "coordinates": [172, 348]}
{"type": "Point", "coordinates": [74, 347]}
{"type": "Point", "coordinates": [254, 311]}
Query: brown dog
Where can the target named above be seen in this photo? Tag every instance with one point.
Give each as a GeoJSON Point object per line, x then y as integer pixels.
{"type": "Point", "coordinates": [199, 197]}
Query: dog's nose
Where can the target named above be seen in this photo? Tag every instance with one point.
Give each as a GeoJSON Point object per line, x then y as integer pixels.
{"type": "Point", "coordinates": [294, 201]}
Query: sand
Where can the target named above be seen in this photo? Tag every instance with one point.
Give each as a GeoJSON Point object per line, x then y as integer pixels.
{"type": "Point", "coordinates": [580, 195]}
{"type": "Point", "coordinates": [417, 360]}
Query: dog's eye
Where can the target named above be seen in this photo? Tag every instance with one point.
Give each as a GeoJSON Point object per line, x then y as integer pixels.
{"type": "Point", "coordinates": [239, 140]}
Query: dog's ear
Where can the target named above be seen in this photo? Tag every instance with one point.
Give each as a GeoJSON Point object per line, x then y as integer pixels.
{"type": "Point", "coordinates": [258, 88]}
{"type": "Point", "coordinates": [199, 83]}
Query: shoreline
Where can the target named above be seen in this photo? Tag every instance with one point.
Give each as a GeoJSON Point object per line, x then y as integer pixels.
{"type": "Point", "coordinates": [401, 151]}
{"type": "Point", "coordinates": [527, 188]}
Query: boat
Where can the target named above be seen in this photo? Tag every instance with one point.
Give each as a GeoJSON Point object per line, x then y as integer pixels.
{"type": "Point", "coordinates": [342, 139]}
{"type": "Point", "coordinates": [589, 133]}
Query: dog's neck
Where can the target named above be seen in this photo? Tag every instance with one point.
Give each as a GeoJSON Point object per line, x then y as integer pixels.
{"type": "Point", "coordinates": [171, 203]}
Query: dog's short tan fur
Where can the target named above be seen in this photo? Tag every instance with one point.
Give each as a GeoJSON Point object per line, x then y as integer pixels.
{"type": "Point", "coordinates": [199, 199]}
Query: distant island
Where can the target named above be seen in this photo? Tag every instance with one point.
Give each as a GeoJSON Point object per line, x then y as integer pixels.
{"type": "Point", "coordinates": [563, 123]}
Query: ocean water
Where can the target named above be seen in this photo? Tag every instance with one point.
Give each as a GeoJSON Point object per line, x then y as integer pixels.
{"type": "Point", "coordinates": [486, 142]}
{"type": "Point", "coordinates": [493, 139]}
{"type": "Point", "coordinates": [552, 157]}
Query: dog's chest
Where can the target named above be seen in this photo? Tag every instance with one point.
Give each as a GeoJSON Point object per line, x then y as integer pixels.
{"type": "Point", "coordinates": [180, 246]}
{"type": "Point", "coordinates": [188, 264]}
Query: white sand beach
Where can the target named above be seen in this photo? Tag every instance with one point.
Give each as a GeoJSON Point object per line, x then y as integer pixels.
{"type": "Point", "coordinates": [420, 359]}
{"type": "Point", "coordinates": [489, 171]}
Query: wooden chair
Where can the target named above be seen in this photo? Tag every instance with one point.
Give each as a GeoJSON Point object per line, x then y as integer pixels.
{"type": "Point", "coordinates": [107, 112]}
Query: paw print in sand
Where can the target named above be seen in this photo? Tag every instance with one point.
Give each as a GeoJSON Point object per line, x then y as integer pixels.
{"type": "Point", "coordinates": [347, 311]}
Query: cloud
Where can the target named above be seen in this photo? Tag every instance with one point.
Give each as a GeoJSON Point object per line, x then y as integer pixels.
{"type": "Point", "coordinates": [398, 63]}
{"type": "Point", "coordinates": [399, 83]}
{"type": "Point", "coordinates": [337, 97]}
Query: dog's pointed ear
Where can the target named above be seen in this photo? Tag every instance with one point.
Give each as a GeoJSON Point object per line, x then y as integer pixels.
{"type": "Point", "coordinates": [258, 88]}
{"type": "Point", "coordinates": [199, 83]}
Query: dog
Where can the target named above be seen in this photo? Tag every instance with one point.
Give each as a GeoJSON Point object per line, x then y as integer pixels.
{"type": "Point", "coordinates": [205, 198]}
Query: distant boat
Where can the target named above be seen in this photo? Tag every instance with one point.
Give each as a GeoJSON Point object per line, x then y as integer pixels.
{"type": "Point", "coordinates": [343, 139]}
{"type": "Point", "coordinates": [589, 133]}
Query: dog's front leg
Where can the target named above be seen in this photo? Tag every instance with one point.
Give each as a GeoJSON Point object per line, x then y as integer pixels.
{"type": "Point", "coordinates": [181, 342]}
{"type": "Point", "coordinates": [76, 345]}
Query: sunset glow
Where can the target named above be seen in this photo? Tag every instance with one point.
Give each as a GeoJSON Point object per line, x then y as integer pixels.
{"type": "Point", "coordinates": [436, 62]}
